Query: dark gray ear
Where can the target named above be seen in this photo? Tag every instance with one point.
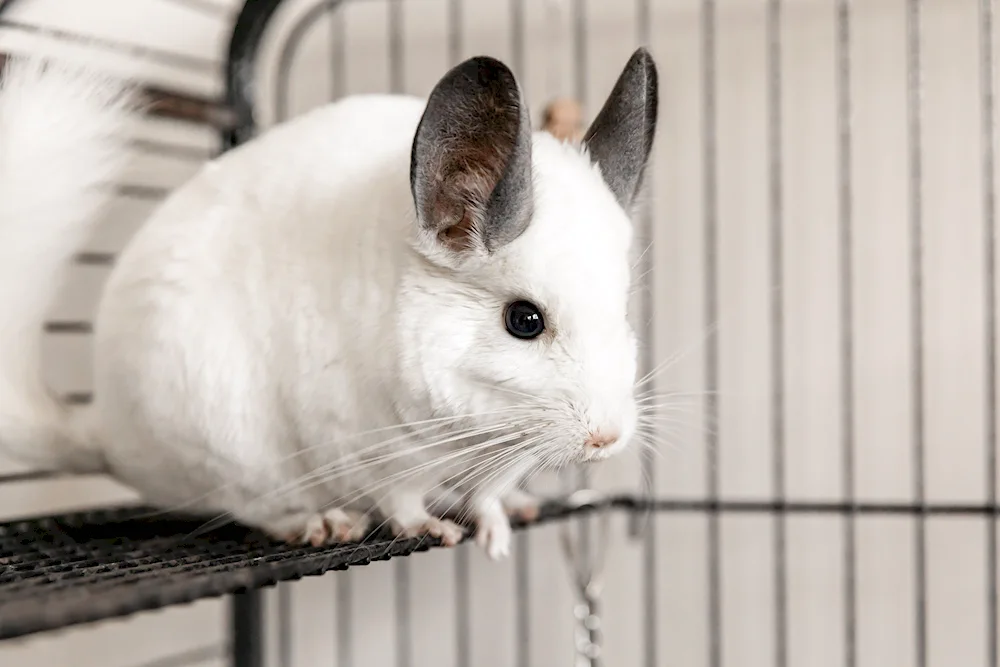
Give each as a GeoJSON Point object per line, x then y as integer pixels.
{"type": "Point", "coordinates": [470, 167]}
{"type": "Point", "coordinates": [621, 137]}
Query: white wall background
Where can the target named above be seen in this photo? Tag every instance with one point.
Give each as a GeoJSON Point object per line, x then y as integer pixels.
{"type": "Point", "coordinates": [954, 346]}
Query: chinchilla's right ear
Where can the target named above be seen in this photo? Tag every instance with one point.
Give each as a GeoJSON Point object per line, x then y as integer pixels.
{"type": "Point", "coordinates": [470, 167]}
{"type": "Point", "coordinates": [621, 137]}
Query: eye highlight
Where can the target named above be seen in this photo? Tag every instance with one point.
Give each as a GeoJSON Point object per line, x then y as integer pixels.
{"type": "Point", "coordinates": [524, 320]}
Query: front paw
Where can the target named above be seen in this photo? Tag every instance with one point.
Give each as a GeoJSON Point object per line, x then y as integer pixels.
{"type": "Point", "coordinates": [494, 535]}
{"type": "Point", "coordinates": [521, 505]}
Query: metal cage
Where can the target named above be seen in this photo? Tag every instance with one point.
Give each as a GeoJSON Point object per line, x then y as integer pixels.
{"type": "Point", "coordinates": [89, 566]}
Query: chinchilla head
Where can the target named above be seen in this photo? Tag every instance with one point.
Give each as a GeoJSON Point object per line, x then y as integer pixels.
{"type": "Point", "coordinates": [519, 308]}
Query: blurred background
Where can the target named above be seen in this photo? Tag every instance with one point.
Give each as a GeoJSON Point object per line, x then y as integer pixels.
{"type": "Point", "coordinates": [820, 288]}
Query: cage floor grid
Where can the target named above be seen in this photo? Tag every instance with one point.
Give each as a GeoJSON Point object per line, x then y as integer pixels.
{"type": "Point", "coordinates": [100, 564]}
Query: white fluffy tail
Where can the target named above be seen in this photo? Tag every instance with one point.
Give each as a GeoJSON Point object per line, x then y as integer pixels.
{"type": "Point", "coordinates": [58, 150]}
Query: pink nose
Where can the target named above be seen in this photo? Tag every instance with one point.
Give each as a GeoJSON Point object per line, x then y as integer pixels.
{"type": "Point", "coordinates": [600, 439]}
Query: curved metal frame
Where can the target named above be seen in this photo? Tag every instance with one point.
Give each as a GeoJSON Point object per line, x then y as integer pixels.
{"type": "Point", "coordinates": [241, 63]}
{"type": "Point", "coordinates": [247, 609]}
{"type": "Point", "coordinates": [244, 49]}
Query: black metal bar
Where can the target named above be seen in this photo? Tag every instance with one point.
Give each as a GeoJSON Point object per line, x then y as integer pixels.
{"type": "Point", "coordinates": [845, 204]}
{"type": "Point", "coordinates": [775, 204]}
{"type": "Point", "coordinates": [241, 65]}
{"type": "Point", "coordinates": [247, 628]}
{"type": "Point", "coordinates": [914, 123]}
{"type": "Point", "coordinates": [805, 508]}
{"type": "Point", "coordinates": [988, 137]}
{"type": "Point", "coordinates": [712, 436]}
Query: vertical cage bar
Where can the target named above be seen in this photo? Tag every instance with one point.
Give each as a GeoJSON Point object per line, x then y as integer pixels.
{"type": "Point", "coordinates": [522, 541]}
{"type": "Point", "coordinates": [517, 41]}
{"type": "Point", "coordinates": [338, 51]}
{"type": "Point", "coordinates": [395, 45]}
{"type": "Point", "coordinates": [581, 69]}
{"type": "Point", "coordinates": [775, 204]}
{"type": "Point", "coordinates": [455, 41]}
{"type": "Point", "coordinates": [712, 436]}
{"type": "Point", "coordinates": [344, 632]}
{"type": "Point", "coordinates": [580, 72]}
{"type": "Point", "coordinates": [986, 73]}
{"type": "Point", "coordinates": [463, 606]}
{"type": "Point", "coordinates": [247, 629]}
{"type": "Point", "coordinates": [914, 120]}
{"type": "Point", "coordinates": [650, 612]}
{"type": "Point", "coordinates": [522, 605]}
{"type": "Point", "coordinates": [845, 204]}
{"type": "Point", "coordinates": [404, 629]}
{"type": "Point", "coordinates": [284, 625]}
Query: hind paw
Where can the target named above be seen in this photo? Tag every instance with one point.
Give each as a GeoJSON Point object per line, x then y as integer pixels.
{"type": "Point", "coordinates": [333, 526]}
{"type": "Point", "coordinates": [449, 532]}
{"type": "Point", "coordinates": [346, 526]}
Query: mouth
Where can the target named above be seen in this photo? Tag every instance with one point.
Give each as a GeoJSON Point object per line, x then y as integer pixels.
{"type": "Point", "coordinates": [595, 455]}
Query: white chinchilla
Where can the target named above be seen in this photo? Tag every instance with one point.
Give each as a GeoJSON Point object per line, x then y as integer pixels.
{"type": "Point", "coordinates": [381, 300]}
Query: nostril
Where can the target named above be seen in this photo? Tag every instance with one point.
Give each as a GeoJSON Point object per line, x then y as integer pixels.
{"type": "Point", "coordinates": [600, 439]}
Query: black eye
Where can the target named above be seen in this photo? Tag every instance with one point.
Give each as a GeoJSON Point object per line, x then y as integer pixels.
{"type": "Point", "coordinates": [524, 320]}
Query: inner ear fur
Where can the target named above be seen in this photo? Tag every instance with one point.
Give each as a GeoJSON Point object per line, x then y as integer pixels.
{"type": "Point", "coordinates": [470, 165]}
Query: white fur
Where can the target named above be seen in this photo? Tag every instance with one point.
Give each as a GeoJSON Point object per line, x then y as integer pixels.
{"type": "Point", "coordinates": [280, 316]}
{"type": "Point", "coordinates": [57, 146]}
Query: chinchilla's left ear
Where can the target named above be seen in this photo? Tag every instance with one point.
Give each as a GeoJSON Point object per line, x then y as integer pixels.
{"type": "Point", "coordinates": [470, 167]}
{"type": "Point", "coordinates": [621, 137]}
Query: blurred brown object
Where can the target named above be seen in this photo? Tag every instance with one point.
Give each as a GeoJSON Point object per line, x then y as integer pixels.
{"type": "Point", "coordinates": [563, 119]}
{"type": "Point", "coordinates": [175, 104]}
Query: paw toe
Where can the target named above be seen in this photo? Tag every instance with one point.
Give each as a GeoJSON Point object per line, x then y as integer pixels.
{"type": "Point", "coordinates": [316, 532]}
{"type": "Point", "coordinates": [346, 526]}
